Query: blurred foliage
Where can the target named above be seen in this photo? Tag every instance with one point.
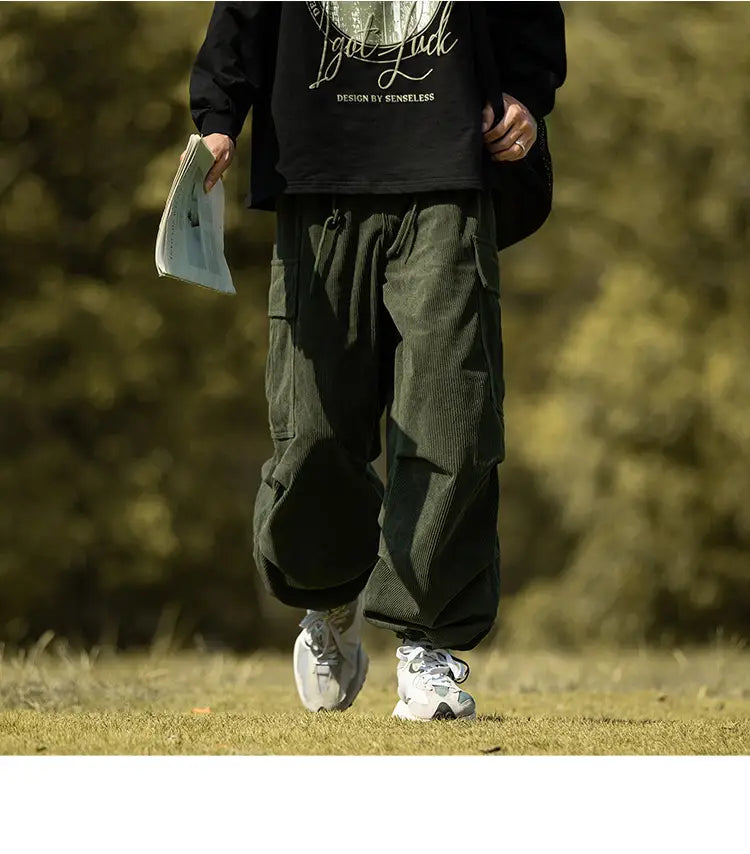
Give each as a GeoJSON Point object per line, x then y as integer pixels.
{"type": "Point", "coordinates": [131, 406]}
{"type": "Point", "coordinates": [638, 430]}
{"type": "Point", "coordinates": [132, 415]}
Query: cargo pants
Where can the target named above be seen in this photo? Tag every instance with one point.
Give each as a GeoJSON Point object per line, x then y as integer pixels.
{"type": "Point", "coordinates": [385, 303]}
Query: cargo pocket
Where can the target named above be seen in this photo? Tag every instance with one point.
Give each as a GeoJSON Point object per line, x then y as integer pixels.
{"type": "Point", "coordinates": [282, 310]}
{"type": "Point", "coordinates": [488, 269]}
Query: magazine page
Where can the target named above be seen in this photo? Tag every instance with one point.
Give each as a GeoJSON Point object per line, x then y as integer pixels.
{"type": "Point", "coordinates": [190, 243]}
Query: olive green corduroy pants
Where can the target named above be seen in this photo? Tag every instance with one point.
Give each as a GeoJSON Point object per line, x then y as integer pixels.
{"type": "Point", "coordinates": [385, 303]}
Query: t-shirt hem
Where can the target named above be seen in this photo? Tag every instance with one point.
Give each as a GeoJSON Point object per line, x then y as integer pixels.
{"type": "Point", "coordinates": [378, 187]}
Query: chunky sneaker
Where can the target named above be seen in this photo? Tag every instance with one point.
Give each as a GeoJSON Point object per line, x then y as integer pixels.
{"type": "Point", "coordinates": [330, 664]}
{"type": "Point", "coordinates": [428, 681]}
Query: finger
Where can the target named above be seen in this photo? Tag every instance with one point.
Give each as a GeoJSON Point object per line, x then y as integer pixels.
{"type": "Point", "coordinates": [507, 142]}
{"type": "Point", "coordinates": [213, 176]}
{"type": "Point", "coordinates": [216, 171]}
{"type": "Point", "coordinates": [515, 153]}
{"type": "Point", "coordinates": [513, 115]}
{"type": "Point", "coordinates": [525, 132]}
{"type": "Point", "coordinates": [488, 117]}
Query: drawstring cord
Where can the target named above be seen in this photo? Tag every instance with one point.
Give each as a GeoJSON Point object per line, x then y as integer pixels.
{"type": "Point", "coordinates": [405, 230]}
{"type": "Point", "coordinates": [331, 225]}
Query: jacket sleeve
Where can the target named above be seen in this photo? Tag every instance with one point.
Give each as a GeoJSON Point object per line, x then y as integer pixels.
{"type": "Point", "coordinates": [529, 47]}
{"type": "Point", "coordinates": [228, 70]}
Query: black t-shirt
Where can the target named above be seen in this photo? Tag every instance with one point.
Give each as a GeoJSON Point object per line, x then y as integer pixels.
{"type": "Point", "coordinates": [377, 97]}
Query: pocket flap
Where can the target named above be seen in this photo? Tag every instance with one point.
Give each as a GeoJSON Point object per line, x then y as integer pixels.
{"type": "Point", "coordinates": [488, 265]}
{"type": "Point", "coordinates": [282, 294]}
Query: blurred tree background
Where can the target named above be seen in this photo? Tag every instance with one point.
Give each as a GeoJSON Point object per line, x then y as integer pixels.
{"type": "Point", "coordinates": [132, 415]}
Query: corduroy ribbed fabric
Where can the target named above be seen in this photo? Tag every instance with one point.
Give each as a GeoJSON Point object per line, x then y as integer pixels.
{"type": "Point", "coordinates": [385, 303]}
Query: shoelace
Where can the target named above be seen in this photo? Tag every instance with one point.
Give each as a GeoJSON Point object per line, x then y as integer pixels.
{"type": "Point", "coordinates": [436, 666]}
{"type": "Point", "coordinates": [324, 629]}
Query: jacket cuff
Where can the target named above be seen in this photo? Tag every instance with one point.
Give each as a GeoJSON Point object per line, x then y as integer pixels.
{"type": "Point", "coordinates": [219, 123]}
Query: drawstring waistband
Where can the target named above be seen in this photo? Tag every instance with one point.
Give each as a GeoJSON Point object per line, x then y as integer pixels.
{"type": "Point", "coordinates": [332, 224]}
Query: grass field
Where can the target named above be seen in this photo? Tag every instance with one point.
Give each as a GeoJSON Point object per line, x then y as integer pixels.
{"type": "Point", "coordinates": [202, 703]}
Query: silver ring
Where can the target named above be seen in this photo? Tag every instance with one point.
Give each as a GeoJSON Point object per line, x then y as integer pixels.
{"type": "Point", "coordinates": [520, 145]}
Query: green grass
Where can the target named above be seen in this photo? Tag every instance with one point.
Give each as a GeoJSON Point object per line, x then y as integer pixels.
{"type": "Point", "coordinates": [543, 703]}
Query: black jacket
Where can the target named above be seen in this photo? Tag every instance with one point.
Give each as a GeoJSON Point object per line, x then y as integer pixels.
{"type": "Point", "coordinates": [521, 51]}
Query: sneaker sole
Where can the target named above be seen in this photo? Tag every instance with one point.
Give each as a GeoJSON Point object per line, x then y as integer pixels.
{"type": "Point", "coordinates": [402, 711]}
{"type": "Point", "coordinates": [363, 664]}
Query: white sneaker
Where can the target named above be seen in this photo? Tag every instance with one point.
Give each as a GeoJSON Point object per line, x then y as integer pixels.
{"type": "Point", "coordinates": [330, 664]}
{"type": "Point", "coordinates": [428, 681]}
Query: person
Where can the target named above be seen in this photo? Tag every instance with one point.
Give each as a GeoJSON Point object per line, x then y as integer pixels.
{"type": "Point", "coordinates": [375, 135]}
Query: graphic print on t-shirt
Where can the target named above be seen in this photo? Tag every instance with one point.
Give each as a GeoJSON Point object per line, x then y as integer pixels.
{"type": "Point", "coordinates": [387, 35]}
{"type": "Point", "coordinates": [377, 97]}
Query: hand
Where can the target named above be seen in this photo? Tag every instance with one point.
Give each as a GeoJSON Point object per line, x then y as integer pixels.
{"type": "Point", "coordinates": [515, 133]}
{"type": "Point", "coordinates": [222, 148]}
